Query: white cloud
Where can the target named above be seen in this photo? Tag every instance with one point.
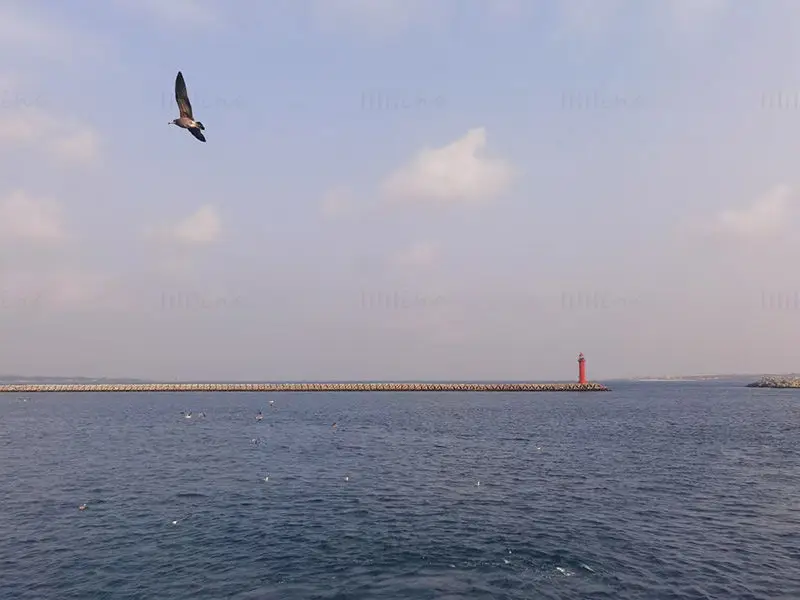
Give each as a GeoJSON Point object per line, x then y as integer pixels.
{"type": "Point", "coordinates": [76, 289]}
{"type": "Point", "coordinates": [593, 17]}
{"type": "Point", "coordinates": [28, 35]}
{"type": "Point", "coordinates": [337, 202]}
{"type": "Point", "coordinates": [418, 254]}
{"type": "Point", "coordinates": [388, 18]}
{"type": "Point", "coordinates": [510, 10]}
{"type": "Point", "coordinates": [23, 217]}
{"type": "Point", "coordinates": [587, 16]}
{"type": "Point", "coordinates": [63, 288]}
{"type": "Point", "coordinates": [769, 215]}
{"type": "Point", "coordinates": [457, 172]}
{"type": "Point", "coordinates": [9, 82]}
{"type": "Point", "coordinates": [80, 146]}
{"type": "Point", "coordinates": [38, 273]}
{"type": "Point", "coordinates": [690, 13]}
{"type": "Point", "coordinates": [178, 246]}
{"type": "Point", "coordinates": [183, 13]}
{"type": "Point", "coordinates": [18, 29]}
{"type": "Point", "coordinates": [64, 139]}
{"type": "Point", "coordinates": [381, 17]}
{"type": "Point", "coordinates": [202, 227]}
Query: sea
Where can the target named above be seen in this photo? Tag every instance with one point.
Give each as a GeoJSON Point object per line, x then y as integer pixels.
{"type": "Point", "coordinates": [653, 491]}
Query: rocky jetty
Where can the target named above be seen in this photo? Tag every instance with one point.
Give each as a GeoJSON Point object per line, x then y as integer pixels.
{"type": "Point", "coordinates": [776, 382]}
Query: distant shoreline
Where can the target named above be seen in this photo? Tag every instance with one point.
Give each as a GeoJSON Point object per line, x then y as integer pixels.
{"type": "Point", "coordinates": [699, 377]}
{"type": "Point", "coordinates": [17, 379]}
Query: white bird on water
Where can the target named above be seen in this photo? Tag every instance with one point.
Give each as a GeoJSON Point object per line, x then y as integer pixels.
{"type": "Point", "coordinates": [176, 521]}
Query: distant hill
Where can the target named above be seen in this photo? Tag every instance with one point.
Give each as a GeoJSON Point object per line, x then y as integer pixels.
{"type": "Point", "coordinates": [44, 380]}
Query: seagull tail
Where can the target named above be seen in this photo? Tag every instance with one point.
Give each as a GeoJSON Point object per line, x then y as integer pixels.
{"type": "Point", "coordinates": [200, 126]}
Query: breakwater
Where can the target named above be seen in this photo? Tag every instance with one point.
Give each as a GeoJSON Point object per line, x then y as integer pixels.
{"type": "Point", "coordinates": [29, 388]}
{"type": "Point", "coordinates": [776, 382]}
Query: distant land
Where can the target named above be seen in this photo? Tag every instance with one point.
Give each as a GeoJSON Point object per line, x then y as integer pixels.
{"type": "Point", "coordinates": [728, 377]}
{"type": "Point", "coordinates": [43, 380]}
{"type": "Point", "coordinates": [4, 379]}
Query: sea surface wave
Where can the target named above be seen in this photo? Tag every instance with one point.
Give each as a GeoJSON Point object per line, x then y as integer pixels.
{"type": "Point", "coordinates": [652, 491]}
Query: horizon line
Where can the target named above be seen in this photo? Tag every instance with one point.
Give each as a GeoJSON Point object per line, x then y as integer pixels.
{"type": "Point", "coordinates": [21, 378]}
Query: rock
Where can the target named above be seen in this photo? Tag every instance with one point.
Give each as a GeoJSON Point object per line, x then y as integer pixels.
{"type": "Point", "coordinates": [776, 382]}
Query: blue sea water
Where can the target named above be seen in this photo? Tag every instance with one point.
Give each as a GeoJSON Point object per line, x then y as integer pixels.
{"type": "Point", "coordinates": [652, 491]}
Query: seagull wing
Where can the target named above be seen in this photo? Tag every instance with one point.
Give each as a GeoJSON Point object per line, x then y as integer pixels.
{"type": "Point", "coordinates": [198, 134]}
{"type": "Point", "coordinates": [182, 97]}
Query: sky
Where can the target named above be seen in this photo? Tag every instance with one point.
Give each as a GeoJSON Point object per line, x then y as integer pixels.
{"type": "Point", "coordinates": [400, 189]}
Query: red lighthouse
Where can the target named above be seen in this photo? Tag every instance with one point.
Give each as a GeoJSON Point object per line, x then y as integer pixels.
{"type": "Point", "coordinates": [581, 369]}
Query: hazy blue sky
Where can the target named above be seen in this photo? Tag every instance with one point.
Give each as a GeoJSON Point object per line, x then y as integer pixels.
{"type": "Point", "coordinates": [400, 189]}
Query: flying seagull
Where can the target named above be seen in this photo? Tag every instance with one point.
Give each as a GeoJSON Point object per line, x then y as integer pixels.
{"type": "Point", "coordinates": [186, 120]}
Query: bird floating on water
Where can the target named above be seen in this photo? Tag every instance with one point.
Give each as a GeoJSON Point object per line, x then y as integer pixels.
{"type": "Point", "coordinates": [186, 120]}
{"type": "Point", "coordinates": [176, 521]}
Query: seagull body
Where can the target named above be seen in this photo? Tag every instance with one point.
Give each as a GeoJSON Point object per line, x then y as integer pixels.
{"type": "Point", "coordinates": [186, 120]}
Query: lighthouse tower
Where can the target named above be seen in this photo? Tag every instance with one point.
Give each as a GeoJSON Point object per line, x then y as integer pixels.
{"type": "Point", "coordinates": [581, 369]}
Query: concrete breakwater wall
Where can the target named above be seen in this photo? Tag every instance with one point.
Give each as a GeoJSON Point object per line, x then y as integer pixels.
{"type": "Point", "coordinates": [27, 388]}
